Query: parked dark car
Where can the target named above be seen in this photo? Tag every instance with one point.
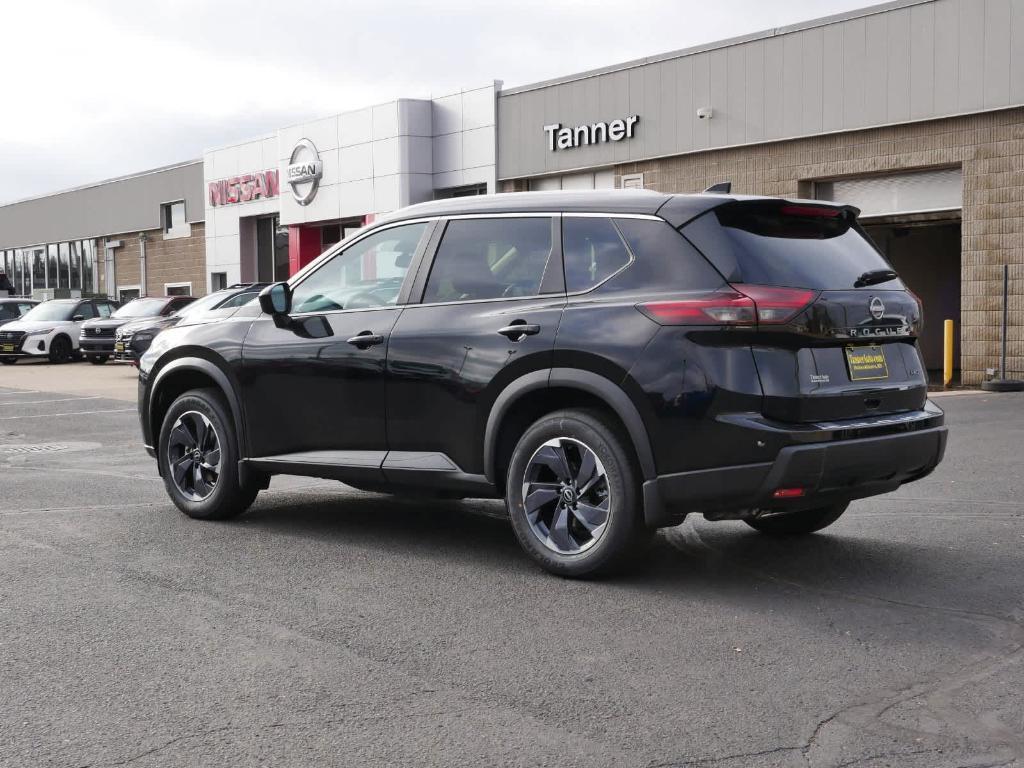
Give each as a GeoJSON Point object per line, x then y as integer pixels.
{"type": "Point", "coordinates": [606, 362]}
{"type": "Point", "coordinates": [97, 339]}
{"type": "Point", "coordinates": [12, 309]}
{"type": "Point", "coordinates": [133, 338]}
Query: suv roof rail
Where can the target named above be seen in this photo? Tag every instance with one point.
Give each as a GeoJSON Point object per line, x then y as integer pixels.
{"type": "Point", "coordinates": [721, 188]}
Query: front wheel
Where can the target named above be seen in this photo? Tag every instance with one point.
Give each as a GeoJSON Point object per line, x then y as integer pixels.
{"type": "Point", "coordinates": [199, 458]}
{"type": "Point", "coordinates": [61, 350]}
{"type": "Point", "coordinates": [799, 523]}
{"type": "Point", "coordinates": [573, 495]}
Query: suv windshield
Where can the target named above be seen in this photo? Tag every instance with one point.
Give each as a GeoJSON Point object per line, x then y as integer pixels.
{"type": "Point", "coordinates": [51, 310]}
{"type": "Point", "coordinates": [785, 244]}
{"type": "Point", "coordinates": [141, 308]}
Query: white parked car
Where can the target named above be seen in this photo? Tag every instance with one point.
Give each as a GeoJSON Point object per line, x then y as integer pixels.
{"type": "Point", "coordinates": [50, 329]}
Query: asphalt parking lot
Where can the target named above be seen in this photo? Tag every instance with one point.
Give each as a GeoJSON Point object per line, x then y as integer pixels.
{"type": "Point", "coordinates": [333, 627]}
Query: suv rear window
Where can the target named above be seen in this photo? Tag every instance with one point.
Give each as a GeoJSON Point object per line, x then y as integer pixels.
{"type": "Point", "coordinates": [784, 244]}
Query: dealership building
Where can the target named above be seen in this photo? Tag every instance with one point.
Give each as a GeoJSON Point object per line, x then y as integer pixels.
{"type": "Point", "coordinates": [912, 110]}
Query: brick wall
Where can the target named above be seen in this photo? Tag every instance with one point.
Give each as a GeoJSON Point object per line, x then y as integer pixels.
{"type": "Point", "coordinates": [989, 148]}
{"type": "Point", "coordinates": [175, 260]}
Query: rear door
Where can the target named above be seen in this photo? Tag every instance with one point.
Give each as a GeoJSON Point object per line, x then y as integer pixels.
{"type": "Point", "coordinates": [488, 311]}
{"type": "Point", "coordinates": [837, 329]}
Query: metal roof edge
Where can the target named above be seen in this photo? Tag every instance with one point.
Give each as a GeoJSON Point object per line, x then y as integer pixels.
{"type": "Point", "coordinates": [822, 21]}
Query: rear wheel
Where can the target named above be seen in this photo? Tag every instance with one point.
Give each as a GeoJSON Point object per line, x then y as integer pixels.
{"type": "Point", "coordinates": [199, 458]}
{"type": "Point", "coordinates": [798, 523]}
{"type": "Point", "coordinates": [60, 350]}
{"type": "Point", "coordinates": [573, 495]}
{"type": "Point", "coordinates": [98, 359]}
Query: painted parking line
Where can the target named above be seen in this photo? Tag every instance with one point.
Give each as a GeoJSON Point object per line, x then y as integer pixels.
{"type": "Point", "coordinates": [14, 392]}
{"type": "Point", "coordinates": [73, 413]}
{"type": "Point", "coordinates": [60, 400]}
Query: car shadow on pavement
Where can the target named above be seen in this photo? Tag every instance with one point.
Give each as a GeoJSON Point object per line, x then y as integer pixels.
{"type": "Point", "coordinates": [694, 557]}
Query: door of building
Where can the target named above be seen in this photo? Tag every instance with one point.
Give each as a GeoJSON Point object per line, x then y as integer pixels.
{"type": "Point", "coordinates": [271, 250]}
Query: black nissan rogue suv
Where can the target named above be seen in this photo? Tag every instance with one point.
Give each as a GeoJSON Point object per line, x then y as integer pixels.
{"type": "Point", "coordinates": [607, 362]}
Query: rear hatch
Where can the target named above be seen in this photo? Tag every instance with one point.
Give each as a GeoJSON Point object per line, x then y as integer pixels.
{"type": "Point", "coordinates": [836, 332]}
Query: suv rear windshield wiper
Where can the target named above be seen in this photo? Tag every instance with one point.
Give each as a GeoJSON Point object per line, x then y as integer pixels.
{"type": "Point", "coordinates": [874, 277]}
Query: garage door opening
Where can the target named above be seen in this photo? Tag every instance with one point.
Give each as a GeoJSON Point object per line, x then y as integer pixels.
{"type": "Point", "coordinates": [914, 218]}
{"type": "Point", "coordinates": [927, 256]}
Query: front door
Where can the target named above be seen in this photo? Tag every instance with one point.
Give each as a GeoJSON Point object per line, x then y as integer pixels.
{"type": "Point", "coordinates": [489, 313]}
{"type": "Point", "coordinates": [314, 392]}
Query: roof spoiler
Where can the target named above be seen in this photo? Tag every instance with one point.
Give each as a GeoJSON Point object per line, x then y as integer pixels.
{"type": "Point", "coordinates": [721, 188]}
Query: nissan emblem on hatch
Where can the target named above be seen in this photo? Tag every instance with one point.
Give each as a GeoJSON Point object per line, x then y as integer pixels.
{"type": "Point", "coordinates": [877, 308]}
{"type": "Point", "coordinates": [305, 169]}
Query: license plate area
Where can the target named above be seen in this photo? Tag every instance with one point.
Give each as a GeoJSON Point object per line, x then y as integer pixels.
{"type": "Point", "coordinates": [6, 347]}
{"type": "Point", "coordinates": [866, 363]}
{"type": "Point", "coordinates": [119, 347]}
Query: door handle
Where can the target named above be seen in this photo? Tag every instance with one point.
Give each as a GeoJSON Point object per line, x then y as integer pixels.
{"type": "Point", "coordinates": [366, 339]}
{"type": "Point", "coordinates": [518, 330]}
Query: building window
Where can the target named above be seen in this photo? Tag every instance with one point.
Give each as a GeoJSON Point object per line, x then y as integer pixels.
{"type": "Point", "coordinates": [172, 217]}
{"type": "Point", "coordinates": [177, 289]}
{"type": "Point", "coordinates": [218, 281]}
{"type": "Point", "coordinates": [126, 293]}
{"type": "Point", "coordinates": [633, 181]}
{"type": "Point", "coordinates": [469, 190]}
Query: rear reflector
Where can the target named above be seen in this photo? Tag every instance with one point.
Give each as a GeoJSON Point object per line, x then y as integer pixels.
{"type": "Point", "coordinates": [788, 493]}
{"type": "Point", "coordinates": [744, 305]}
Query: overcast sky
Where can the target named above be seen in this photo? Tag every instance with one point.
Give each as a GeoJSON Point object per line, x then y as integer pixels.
{"type": "Point", "coordinates": [98, 88]}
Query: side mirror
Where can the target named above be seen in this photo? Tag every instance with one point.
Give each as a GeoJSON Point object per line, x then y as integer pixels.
{"type": "Point", "coordinates": [276, 299]}
{"type": "Point", "coordinates": [77, 318]}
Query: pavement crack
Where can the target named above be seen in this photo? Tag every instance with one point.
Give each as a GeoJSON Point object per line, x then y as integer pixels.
{"type": "Point", "coordinates": [722, 759]}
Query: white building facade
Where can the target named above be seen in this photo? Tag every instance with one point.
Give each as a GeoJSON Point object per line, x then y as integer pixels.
{"type": "Point", "coordinates": [276, 202]}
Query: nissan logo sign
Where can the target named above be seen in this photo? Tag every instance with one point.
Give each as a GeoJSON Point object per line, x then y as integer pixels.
{"type": "Point", "coordinates": [305, 169]}
{"type": "Point", "coordinates": [877, 308]}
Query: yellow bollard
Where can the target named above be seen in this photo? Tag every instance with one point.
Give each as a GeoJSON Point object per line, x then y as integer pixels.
{"type": "Point", "coordinates": [947, 353]}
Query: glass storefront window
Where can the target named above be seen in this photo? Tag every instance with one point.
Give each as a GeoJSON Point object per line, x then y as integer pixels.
{"type": "Point", "coordinates": [18, 276]}
{"type": "Point", "coordinates": [63, 259]}
{"type": "Point", "coordinates": [88, 263]}
{"type": "Point", "coordinates": [75, 265]}
{"type": "Point", "coordinates": [51, 266]}
{"type": "Point", "coordinates": [37, 261]}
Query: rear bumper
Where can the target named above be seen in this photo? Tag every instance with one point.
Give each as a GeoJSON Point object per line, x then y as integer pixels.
{"type": "Point", "coordinates": [837, 468]}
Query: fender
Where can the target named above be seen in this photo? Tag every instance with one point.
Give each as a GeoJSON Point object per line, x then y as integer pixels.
{"type": "Point", "coordinates": [220, 378]}
{"type": "Point", "coordinates": [571, 378]}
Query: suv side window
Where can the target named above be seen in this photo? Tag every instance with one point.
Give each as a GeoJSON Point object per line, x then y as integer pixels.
{"type": "Point", "coordinates": [86, 310]}
{"type": "Point", "coordinates": [490, 259]}
{"type": "Point", "coordinates": [369, 273]}
{"type": "Point", "coordinates": [593, 251]}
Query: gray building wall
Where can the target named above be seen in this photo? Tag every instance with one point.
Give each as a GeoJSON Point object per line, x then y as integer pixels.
{"type": "Point", "coordinates": [128, 204]}
{"type": "Point", "coordinates": [898, 62]}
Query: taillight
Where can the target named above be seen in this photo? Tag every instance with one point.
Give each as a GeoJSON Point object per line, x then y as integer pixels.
{"type": "Point", "coordinates": [744, 305]}
{"type": "Point", "coordinates": [777, 305]}
{"type": "Point", "coordinates": [813, 211]}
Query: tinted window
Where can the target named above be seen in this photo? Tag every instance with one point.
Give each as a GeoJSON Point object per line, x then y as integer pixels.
{"type": "Point", "coordinates": [105, 310]}
{"type": "Point", "coordinates": [369, 273]}
{"type": "Point", "coordinates": [801, 246]}
{"type": "Point", "coordinates": [593, 251]}
{"type": "Point", "coordinates": [7, 311]}
{"type": "Point", "coordinates": [490, 259]}
{"type": "Point", "coordinates": [664, 260]}
{"type": "Point", "coordinates": [239, 300]}
{"type": "Point", "coordinates": [87, 311]}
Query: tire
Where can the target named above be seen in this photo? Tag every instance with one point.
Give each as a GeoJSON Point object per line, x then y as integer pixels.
{"type": "Point", "coordinates": [98, 359]}
{"type": "Point", "coordinates": [799, 523]}
{"type": "Point", "coordinates": [61, 350]}
{"type": "Point", "coordinates": [207, 493]}
{"type": "Point", "coordinates": [8, 360]}
{"type": "Point", "coordinates": [580, 522]}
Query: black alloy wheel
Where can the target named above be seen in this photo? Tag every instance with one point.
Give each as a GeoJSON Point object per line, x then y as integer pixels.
{"type": "Point", "coordinates": [60, 350]}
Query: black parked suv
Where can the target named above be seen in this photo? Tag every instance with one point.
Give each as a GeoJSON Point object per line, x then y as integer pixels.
{"type": "Point", "coordinates": [132, 339]}
{"type": "Point", "coordinates": [606, 362]}
{"type": "Point", "coordinates": [97, 340]}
